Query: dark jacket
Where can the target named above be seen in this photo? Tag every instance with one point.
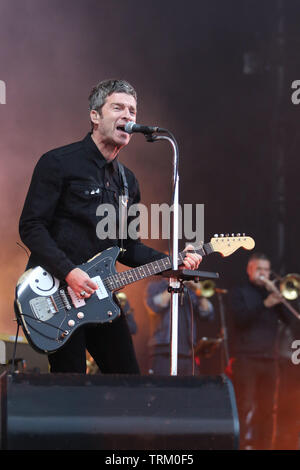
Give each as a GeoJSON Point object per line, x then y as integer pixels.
{"type": "Point", "coordinates": [58, 222]}
{"type": "Point", "coordinates": [256, 327]}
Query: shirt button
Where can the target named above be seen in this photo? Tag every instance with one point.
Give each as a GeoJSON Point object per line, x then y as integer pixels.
{"type": "Point", "coordinates": [107, 183]}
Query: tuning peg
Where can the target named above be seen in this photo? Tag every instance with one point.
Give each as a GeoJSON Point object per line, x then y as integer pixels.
{"type": "Point", "coordinates": [216, 235]}
{"type": "Point", "coordinates": [238, 234]}
{"type": "Point", "coordinates": [222, 235]}
{"type": "Point", "coordinates": [232, 234]}
{"type": "Point", "coordinates": [244, 234]}
{"type": "Point", "coordinates": [227, 235]}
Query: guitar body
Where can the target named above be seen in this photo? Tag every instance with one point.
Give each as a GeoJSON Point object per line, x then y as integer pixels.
{"type": "Point", "coordinates": [49, 311]}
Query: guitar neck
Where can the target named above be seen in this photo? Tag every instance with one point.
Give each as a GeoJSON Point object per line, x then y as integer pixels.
{"type": "Point", "coordinates": [119, 280]}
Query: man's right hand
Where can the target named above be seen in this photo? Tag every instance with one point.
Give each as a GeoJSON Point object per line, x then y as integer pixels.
{"type": "Point", "coordinates": [272, 300]}
{"type": "Point", "coordinates": [81, 283]}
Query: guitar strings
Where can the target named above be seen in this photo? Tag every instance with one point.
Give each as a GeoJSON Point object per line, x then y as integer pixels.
{"type": "Point", "coordinates": [109, 282]}
{"type": "Point", "coordinates": [125, 275]}
{"type": "Point", "coordinates": [128, 275]}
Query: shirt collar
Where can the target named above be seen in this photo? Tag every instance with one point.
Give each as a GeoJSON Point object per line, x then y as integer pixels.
{"type": "Point", "coordinates": [95, 154]}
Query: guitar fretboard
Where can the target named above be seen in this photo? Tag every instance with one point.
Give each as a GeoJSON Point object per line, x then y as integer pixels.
{"type": "Point", "coordinates": [119, 280]}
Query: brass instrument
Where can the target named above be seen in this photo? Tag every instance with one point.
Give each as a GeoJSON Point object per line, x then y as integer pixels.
{"type": "Point", "coordinates": [287, 287]}
{"type": "Point", "coordinates": [290, 286]}
{"type": "Point", "coordinates": [91, 366]}
{"type": "Point", "coordinates": [122, 298]}
{"type": "Point", "coordinates": [205, 288]}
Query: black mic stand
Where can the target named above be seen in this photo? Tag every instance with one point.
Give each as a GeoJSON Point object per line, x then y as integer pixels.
{"type": "Point", "coordinates": [13, 360]}
{"type": "Point", "coordinates": [224, 335]}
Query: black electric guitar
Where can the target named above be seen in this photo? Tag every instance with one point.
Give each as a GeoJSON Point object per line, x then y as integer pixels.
{"type": "Point", "coordinates": [50, 312]}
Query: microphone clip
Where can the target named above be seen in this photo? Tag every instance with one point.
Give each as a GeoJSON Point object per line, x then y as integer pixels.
{"type": "Point", "coordinates": [150, 137]}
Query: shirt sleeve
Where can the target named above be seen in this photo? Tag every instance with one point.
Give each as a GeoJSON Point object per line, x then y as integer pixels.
{"type": "Point", "coordinates": [154, 290]}
{"type": "Point", "coordinates": [246, 309]}
{"type": "Point", "coordinates": [38, 216]}
{"type": "Point", "coordinates": [207, 315]}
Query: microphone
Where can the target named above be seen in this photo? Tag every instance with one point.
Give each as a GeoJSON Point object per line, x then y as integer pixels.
{"type": "Point", "coordinates": [131, 127]}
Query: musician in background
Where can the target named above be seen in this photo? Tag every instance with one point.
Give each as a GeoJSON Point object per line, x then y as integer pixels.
{"type": "Point", "coordinates": [259, 317]}
{"type": "Point", "coordinates": [59, 221]}
{"type": "Point", "coordinates": [192, 309]}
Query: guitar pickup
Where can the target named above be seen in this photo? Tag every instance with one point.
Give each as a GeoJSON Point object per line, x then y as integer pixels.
{"type": "Point", "coordinates": [77, 301]}
{"type": "Point", "coordinates": [65, 300]}
{"type": "Point", "coordinates": [101, 292]}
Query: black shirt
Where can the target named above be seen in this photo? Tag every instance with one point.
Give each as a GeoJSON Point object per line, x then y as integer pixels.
{"type": "Point", "coordinates": [58, 222]}
{"type": "Point", "coordinates": [256, 327]}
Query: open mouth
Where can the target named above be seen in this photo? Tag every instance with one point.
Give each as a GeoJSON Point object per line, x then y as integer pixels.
{"type": "Point", "coordinates": [121, 128]}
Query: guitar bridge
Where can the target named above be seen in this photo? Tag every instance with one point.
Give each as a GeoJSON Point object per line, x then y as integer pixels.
{"type": "Point", "coordinates": [43, 308]}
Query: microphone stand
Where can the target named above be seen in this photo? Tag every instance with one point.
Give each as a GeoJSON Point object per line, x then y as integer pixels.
{"type": "Point", "coordinates": [174, 284]}
{"type": "Point", "coordinates": [224, 334]}
{"type": "Point", "coordinates": [176, 276]}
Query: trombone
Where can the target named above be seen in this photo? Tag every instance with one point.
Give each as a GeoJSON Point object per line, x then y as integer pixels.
{"type": "Point", "coordinates": [289, 288]}
{"type": "Point", "coordinates": [205, 288]}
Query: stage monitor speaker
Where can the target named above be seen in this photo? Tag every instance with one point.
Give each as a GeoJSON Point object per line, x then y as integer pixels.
{"type": "Point", "coordinates": [115, 412]}
{"type": "Point", "coordinates": [26, 358]}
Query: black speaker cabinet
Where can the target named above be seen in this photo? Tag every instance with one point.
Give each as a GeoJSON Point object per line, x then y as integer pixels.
{"type": "Point", "coordinates": [108, 412]}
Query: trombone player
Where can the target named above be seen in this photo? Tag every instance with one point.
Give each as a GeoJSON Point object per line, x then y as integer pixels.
{"type": "Point", "coordinates": [258, 317]}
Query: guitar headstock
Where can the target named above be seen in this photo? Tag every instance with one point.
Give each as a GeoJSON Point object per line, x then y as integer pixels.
{"type": "Point", "coordinates": [228, 244]}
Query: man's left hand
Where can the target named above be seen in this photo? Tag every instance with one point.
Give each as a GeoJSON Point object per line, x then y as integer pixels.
{"type": "Point", "coordinates": [191, 260]}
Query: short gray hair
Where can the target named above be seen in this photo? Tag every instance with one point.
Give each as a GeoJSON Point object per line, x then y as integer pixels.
{"type": "Point", "coordinates": [257, 256]}
{"type": "Point", "coordinates": [106, 88]}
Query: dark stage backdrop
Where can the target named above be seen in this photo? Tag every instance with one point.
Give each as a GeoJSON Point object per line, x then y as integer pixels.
{"type": "Point", "coordinates": [217, 74]}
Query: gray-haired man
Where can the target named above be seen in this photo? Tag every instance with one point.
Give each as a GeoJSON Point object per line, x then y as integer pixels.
{"type": "Point", "coordinates": [58, 222]}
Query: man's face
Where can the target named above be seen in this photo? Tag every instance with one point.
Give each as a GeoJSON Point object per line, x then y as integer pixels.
{"type": "Point", "coordinates": [118, 109]}
{"type": "Point", "coordinates": [257, 268]}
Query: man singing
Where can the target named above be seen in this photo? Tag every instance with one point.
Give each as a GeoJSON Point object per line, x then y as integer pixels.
{"type": "Point", "coordinates": [58, 223]}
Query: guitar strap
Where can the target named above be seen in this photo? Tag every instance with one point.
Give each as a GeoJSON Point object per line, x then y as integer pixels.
{"type": "Point", "coordinates": [124, 203]}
